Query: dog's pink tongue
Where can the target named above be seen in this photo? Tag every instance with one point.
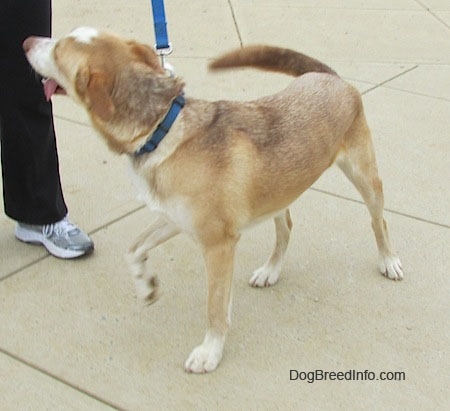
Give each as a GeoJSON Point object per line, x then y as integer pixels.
{"type": "Point", "coordinates": [50, 87]}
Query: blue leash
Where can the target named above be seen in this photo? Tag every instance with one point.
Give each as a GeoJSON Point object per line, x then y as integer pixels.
{"type": "Point", "coordinates": [163, 47]}
{"type": "Point", "coordinates": [159, 18]}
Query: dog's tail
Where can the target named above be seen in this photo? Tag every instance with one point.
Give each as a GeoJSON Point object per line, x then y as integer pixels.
{"type": "Point", "coordinates": [271, 59]}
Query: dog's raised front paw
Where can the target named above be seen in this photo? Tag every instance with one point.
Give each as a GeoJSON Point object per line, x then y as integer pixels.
{"type": "Point", "coordinates": [265, 276]}
{"type": "Point", "coordinates": [391, 267]}
{"type": "Point", "coordinates": [148, 289]}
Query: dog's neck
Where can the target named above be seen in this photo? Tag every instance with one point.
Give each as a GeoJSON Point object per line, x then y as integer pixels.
{"type": "Point", "coordinates": [163, 127]}
{"type": "Point", "coordinates": [141, 102]}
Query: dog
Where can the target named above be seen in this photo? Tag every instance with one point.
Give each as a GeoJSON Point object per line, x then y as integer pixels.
{"type": "Point", "coordinates": [222, 166]}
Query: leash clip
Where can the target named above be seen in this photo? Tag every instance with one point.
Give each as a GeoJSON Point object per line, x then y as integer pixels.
{"type": "Point", "coordinates": [163, 53]}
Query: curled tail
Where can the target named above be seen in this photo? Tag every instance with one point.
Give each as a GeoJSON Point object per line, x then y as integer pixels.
{"type": "Point", "coordinates": [271, 59]}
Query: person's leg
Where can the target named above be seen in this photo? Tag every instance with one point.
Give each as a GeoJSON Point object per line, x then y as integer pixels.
{"type": "Point", "coordinates": [32, 191]}
{"type": "Point", "coordinates": [31, 183]}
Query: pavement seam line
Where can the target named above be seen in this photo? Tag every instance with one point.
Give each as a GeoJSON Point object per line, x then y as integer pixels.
{"type": "Point", "coordinates": [233, 15]}
{"type": "Point", "coordinates": [431, 12]}
{"type": "Point", "coordinates": [390, 79]}
{"type": "Point", "coordinates": [414, 93]}
{"type": "Point", "coordinates": [115, 220]}
{"type": "Point", "coordinates": [387, 210]}
{"type": "Point", "coordinates": [70, 120]}
{"type": "Point", "coordinates": [26, 266]}
{"type": "Point", "coordinates": [61, 381]}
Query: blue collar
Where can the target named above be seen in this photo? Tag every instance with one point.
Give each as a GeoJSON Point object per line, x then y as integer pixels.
{"type": "Point", "coordinates": [163, 127]}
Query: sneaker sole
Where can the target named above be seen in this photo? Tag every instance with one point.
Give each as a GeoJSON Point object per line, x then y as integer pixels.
{"type": "Point", "coordinates": [31, 237]}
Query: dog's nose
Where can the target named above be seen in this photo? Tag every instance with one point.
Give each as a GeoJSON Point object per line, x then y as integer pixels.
{"type": "Point", "coordinates": [28, 43]}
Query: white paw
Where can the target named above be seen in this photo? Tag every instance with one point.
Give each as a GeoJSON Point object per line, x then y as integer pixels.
{"type": "Point", "coordinates": [265, 276]}
{"type": "Point", "coordinates": [391, 267]}
{"type": "Point", "coordinates": [206, 357]}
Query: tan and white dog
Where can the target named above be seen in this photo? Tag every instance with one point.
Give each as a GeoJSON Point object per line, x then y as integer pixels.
{"type": "Point", "coordinates": [223, 166]}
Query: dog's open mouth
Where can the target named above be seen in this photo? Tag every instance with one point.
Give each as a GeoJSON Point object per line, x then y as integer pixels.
{"type": "Point", "coordinates": [51, 87]}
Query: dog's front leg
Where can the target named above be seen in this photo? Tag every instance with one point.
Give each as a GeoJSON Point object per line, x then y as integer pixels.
{"type": "Point", "coordinates": [219, 265]}
{"type": "Point", "coordinates": [155, 234]}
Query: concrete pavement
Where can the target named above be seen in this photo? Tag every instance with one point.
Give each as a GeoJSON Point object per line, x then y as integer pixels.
{"type": "Point", "coordinates": [74, 337]}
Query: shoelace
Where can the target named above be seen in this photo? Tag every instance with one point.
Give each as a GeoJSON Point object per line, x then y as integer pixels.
{"type": "Point", "coordinates": [61, 228]}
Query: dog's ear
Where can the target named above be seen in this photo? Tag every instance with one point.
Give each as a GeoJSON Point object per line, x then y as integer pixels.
{"type": "Point", "coordinates": [146, 55]}
{"type": "Point", "coordinates": [95, 88]}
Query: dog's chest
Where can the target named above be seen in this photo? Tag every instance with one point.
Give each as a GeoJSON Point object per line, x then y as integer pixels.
{"type": "Point", "coordinates": [173, 207]}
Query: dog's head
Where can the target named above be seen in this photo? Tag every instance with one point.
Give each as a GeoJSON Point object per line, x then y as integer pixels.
{"type": "Point", "coordinates": [115, 79]}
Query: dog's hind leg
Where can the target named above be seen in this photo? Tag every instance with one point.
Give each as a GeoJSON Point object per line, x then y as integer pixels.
{"type": "Point", "coordinates": [357, 160]}
{"type": "Point", "coordinates": [155, 234]}
{"type": "Point", "coordinates": [269, 273]}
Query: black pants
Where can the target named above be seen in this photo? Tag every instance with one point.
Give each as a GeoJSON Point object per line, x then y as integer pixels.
{"type": "Point", "coordinates": [31, 182]}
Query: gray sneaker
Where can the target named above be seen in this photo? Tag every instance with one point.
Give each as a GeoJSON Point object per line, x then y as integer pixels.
{"type": "Point", "coordinates": [61, 239]}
